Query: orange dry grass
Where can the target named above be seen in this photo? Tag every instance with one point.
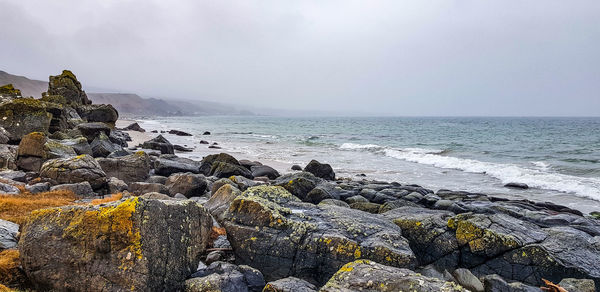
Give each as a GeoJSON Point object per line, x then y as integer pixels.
{"type": "Point", "coordinates": [112, 198]}
{"type": "Point", "coordinates": [9, 266]}
{"type": "Point", "coordinates": [16, 208]}
{"type": "Point", "coordinates": [4, 288]}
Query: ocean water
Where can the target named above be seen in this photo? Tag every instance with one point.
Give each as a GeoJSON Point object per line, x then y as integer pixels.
{"type": "Point", "coordinates": [559, 158]}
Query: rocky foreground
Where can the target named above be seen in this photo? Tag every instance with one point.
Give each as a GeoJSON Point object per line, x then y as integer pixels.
{"type": "Point", "coordinates": [223, 224]}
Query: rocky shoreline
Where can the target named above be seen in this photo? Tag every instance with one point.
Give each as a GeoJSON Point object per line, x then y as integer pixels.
{"type": "Point", "coordinates": [223, 224]}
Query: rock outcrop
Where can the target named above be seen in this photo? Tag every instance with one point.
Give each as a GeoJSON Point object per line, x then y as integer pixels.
{"type": "Point", "coordinates": [67, 85]}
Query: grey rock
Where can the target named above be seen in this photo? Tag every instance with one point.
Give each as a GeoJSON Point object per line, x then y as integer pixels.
{"type": "Point", "coordinates": [159, 143]}
{"type": "Point", "coordinates": [74, 170]}
{"type": "Point", "coordinates": [140, 188]}
{"type": "Point", "coordinates": [116, 185]}
{"type": "Point", "coordinates": [580, 285]}
{"type": "Point", "coordinates": [264, 170]}
{"type": "Point", "coordinates": [8, 189]}
{"type": "Point", "coordinates": [38, 187]}
{"type": "Point", "coordinates": [334, 202]}
{"type": "Point", "coordinates": [169, 164]}
{"type": "Point", "coordinates": [92, 130]}
{"type": "Point", "coordinates": [320, 170]}
{"type": "Point", "coordinates": [8, 234]}
{"type": "Point", "coordinates": [187, 184]}
{"type": "Point", "coordinates": [82, 189]}
{"type": "Point", "coordinates": [131, 168]}
{"type": "Point", "coordinates": [466, 279]}
{"type": "Point", "coordinates": [225, 277]}
{"type": "Point", "coordinates": [290, 284]}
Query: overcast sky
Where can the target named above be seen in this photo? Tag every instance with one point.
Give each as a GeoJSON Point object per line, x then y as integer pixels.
{"type": "Point", "coordinates": [381, 57]}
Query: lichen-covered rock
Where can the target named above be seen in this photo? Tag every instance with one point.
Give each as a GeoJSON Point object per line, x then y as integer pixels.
{"type": "Point", "coordinates": [320, 170]}
{"type": "Point", "coordinates": [299, 184]}
{"type": "Point", "coordinates": [32, 144]}
{"type": "Point", "coordinates": [8, 189]}
{"type": "Point", "coordinates": [580, 285]}
{"type": "Point", "coordinates": [219, 202]}
{"type": "Point", "coordinates": [67, 85]}
{"type": "Point", "coordinates": [366, 207]}
{"type": "Point", "coordinates": [159, 143]}
{"type": "Point", "coordinates": [131, 168]}
{"type": "Point", "coordinates": [79, 144]}
{"type": "Point", "coordinates": [207, 162]}
{"type": "Point", "coordinates": [58, 149]}
{"type": "Point", "coordinates": [10, 91]}
{"type": "Point", "coordinates": [23, 116]}
{"type": "Point", "coordinates": [102, 146]}
{"type": "Point", "coordinates": [290, 284]}
{"type": "Point", "coordinates": [8, 234]}
{"type": "Point", "coordinates": [135, 244]}
{"type": "Point", "coordinates": [74, 170]}
{"type": "Point", "coordinates": [313, 241]}
{"type": "Point", "coordinates": [187, 184]}
{"type": "Point", "coordinates": [495, 283]}
{"type": "Point", "coordinates": [225, 277]}
{"type": "Point", "coordinates": [224, 169]}
{"type": "Point", "coordinates": [365, 275]}
{"type": "Point", "coordinates": [168, 164]}
{"type": "Point", "coordinates": [92, 130]}
{"type": "Point", "coordinates": [116, 185]}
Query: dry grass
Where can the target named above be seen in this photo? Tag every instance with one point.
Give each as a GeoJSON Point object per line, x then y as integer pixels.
{"type": "Point", "coordinates": [16, 208]}
{"type": "Point", "coordinates": [4, 288]}
{"type": "Point", "coordinates": [112, 198]}
{"type": "Point", "coordinates": [9, 267]}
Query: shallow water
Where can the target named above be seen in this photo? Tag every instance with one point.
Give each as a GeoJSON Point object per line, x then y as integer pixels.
{"type": "Point", "coordinates": [559, 158]}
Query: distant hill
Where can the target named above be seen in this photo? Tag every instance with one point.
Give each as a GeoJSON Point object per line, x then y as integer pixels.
{"type": "Point", "coordinates": [129, 103]}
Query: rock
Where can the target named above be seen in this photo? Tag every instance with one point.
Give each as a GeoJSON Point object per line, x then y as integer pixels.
{"type": "Point", "coordinates": [356, 199]}
{"type": "Point", "coordinates": [30, 163]}
{"type": "Point", "coordinates": [366, 207]}
{"type": "Point", "coordinates": [206, 133]}
{"type": "Point", "coordinates": [140, 188]}
{"type": "Point", "coordinates": [225, 277]}
{"type": "Point", "coordinates": [264, 170]}
{"type": "Point", "coordinates": [203, 142]}
{"type": "Point", "coordinates": [317, 195]}
{"type": "Point", "coordinates": [320, 170]}
{"type": "Point", "coordinates": [38, 187]}
{"type": "Point", "coordinates": [159, 143]}
{"type": "Point", "coordinates": [24, 115]}
{"type": "Point", "coordinates": [248, 164]}
{"type": "Point", "coordinates": [334, 202]}
{"type": "Point", "coordinates": [290, 284]}
{"type": "Point", "coordinates": [495, 283]}
{"type": "Point", "coordinates": [215, 186]}
{"type": "Point", "coordinates": [296, 167]}
{"type": "Point", "coordinates": [58, 149]}
{"type": "Point", "coordinates": [131, 168]}
{"type": "Point", "coordinates": [8, 156]}
{"type": "Point", "coordinates": [224, 169]}
{"type": "Point", "coordinates": [313, 241]}
{"type": "Point", "coordinates": [391, 205]}
{"type": "Point", "coordinates": [154, 131]}
{"type": "Point", "coordinates": [82, 189]}
{"type": "Point", "coordinates": [102, 146]}
{"type": "Point", "coordinates": [365, 275]}
{"type": "Point", "coordinates": [466, 279]}
{"type": "Point", "coordinates": [135, 244]}
{"type": "Point", "coordinates": [92, 130]}
{"type": "Point", "coordinates": [103, 113]}
{"type": "Point", "coordinates": [187, 184]}
{"type": "Point", "coordinates": [120, 138]}
{"type": "Point", "coordinates": [581, 285]}
{"type": "Point", "coordinates": [182, 149]}
{"type": "Point", "coordinates": [299, 183]}
{"type": "Point", "coordinates": [8, 189]}
{"type": "Point", "coordinates": [516, 185]}
{"type": "Point", "coordinates": [8, 234]}
{"type": "Point", "coordinates": [74, 170]}
{"type": "Point", "coordinates": [116, 185]}
{"type": "Point", "coordinates": [179, 133]}
{"type": "Point", "coordinates": [219, 202]}
{"type": "Point", "coordinates": [66, 85]}
{"type": "Point", "coordinates": [157, 179]}
{"type": "Point", "coordinates": [15, 175]}
{"type": "Point", "coordinates": [135, 127]}
{"type": "Point", "coordinates": [79, 144]}
{"type": "Point", "coordinates": [208, 161]}
{"type": "Point", "coordinates": [169, 164]}
{"type": "Point", "coordinates": [214, 147]}
{"type": "Point", "coordinates": [119, 153]}
{"type": "Point", "coordinates": [32, 144]}
{"type": "Point", "coordinates": [156, 196]}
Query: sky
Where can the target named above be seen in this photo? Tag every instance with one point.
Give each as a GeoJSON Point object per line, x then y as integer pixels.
{"type": "Point", "coordinates": [405, 58]}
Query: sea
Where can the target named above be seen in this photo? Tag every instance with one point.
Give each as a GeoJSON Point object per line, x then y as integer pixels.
{"type": "Point", "coordinates": [558, 158]}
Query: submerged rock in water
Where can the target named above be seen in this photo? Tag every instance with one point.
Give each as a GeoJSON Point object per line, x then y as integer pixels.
{"type": "Point", "coordinates": [135, 244]}
{"type": "Point", "coordinates": [516, 185]}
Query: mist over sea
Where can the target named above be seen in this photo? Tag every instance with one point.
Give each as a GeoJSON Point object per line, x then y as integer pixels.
{"type": "Point", "coordinates": [559, 158]}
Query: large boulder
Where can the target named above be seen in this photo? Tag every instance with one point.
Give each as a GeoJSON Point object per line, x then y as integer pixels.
{"type": "Point", "coordinates": [8, 234]}
{"type": "Point", "coordinates": [131, 168]}
{"type": "Point", "coordinates": [79, 144]}
{"type": "Point", "coordinates": [224, 169]}
{"type": "Point", "coordinates": [82, 189]}
{"type": "Point", "coordinates": [321, 170]}
{"type": "Point", "coordinates": [23, 116]}
{"type": "Point", "coordinates": [102, 146]}
{"type": "Point", "coordinates": [73, 170]}
{"type": "Point", "coordinates": [135, 244]}
{"type": "Point", "coordinates": [104, 113]}
{"type": "Point", "coordinates": [313, 241]}
{"type": "Point", "coordinates": [32, 144]}
{"type": "Point", "coordinates": [264, 170]}
{"type": "Point", "coordinates": [187, 184]}
{"type": "Point", "coordinates": [219, 202]}
{"type": "Point", "coordinates": [365, 275]}
{"type": "Point", "coordinates": [159, 143]}
{"type": "Point", "coordinates": [67, 85]}
{"type": "Point", "coordinates": [169, 164]}
{"type": "Point", "coordinates": [208, 161]}
{"type": "Point", "coordinates": [299, 183]}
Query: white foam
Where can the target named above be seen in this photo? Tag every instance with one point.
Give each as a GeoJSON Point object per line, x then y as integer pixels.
{"type": "Point", "coordinates": [534, 177]}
